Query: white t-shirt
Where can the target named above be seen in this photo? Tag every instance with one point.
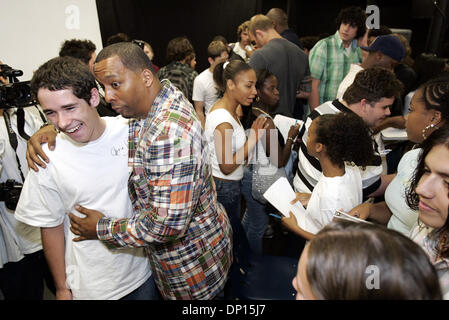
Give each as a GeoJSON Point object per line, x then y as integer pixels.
{"type": "Point", "coordinates": [330, 194]}
{"type": "Point", "coordinates": [348, 79]}
{"type": "Point", "coordinates": [204, 90]}
{"type": "Point", "coordinates": [403, 218]}
{"type": "Point", "coordinates": [94, 175]}
{"type": "Point", "coordinates": [16, 238]}
{"type": "Point", "coordinates": [214, 119]}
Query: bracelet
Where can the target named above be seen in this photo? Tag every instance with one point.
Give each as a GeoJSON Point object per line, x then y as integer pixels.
{"type": "Point", "coordinates": [290, 138]}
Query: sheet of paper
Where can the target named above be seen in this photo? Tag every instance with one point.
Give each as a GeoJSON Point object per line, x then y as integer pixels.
{"type": "Point", "coordinates": [284, 123]}
{"type": "Point", "coordinates": [344, 216]}
{"type": "Point", "coordinates": [394, 134]}
{"type": "Point", "coordinates": [280, 194]}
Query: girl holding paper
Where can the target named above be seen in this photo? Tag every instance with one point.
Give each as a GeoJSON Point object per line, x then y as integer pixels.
{"type": "Point", "coordinates": [341, 142]}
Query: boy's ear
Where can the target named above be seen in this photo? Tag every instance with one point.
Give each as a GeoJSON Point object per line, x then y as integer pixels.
{"type": "Point", "coordinates": [94, 97]}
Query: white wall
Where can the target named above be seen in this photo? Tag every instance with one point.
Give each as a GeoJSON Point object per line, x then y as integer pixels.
{"type": "Point", "coordinates": [32, 31]}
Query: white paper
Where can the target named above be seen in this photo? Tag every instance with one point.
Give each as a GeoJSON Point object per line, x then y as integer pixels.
{"type": "Point", "coordinates": [394, 134]}
{"type": "Point", "coordinates": [280, 194]}
{"type": "Point", "coordinates": [284, 123]}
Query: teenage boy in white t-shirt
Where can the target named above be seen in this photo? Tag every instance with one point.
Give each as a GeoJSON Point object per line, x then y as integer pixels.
{"type": "Point", "coordinates": [204, 92]}
{"type": "Point", "coordinates": [89, 168]}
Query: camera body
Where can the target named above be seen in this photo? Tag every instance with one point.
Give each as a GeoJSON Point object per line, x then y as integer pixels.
{"type": "Point", "coordinates": [10, 193]}
{"type": "Point", "coordinates": [14, 94]}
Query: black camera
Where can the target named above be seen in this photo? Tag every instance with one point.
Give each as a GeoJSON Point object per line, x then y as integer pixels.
{"type": "Point", "coordinates": [14, 94]}
{"type": "Point", "coordinates": [10, 193]}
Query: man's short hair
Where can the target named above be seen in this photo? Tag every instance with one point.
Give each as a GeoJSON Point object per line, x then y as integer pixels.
{"type": "Point", "coordinates": [178, 49]}
{"type": "Point", "coordinates": [244, 26]}
{"type": "Point", "coordinates": [260, 22]}
{"type": "Point", "coordinates": [278, 16]}
{"type": "Point", "coordinates": [215, 49]}
{"type": "Point", "coordinates": [382, 31]}
{"type": "Point", "coordinates": [130, 54]}
{"type": "Point", "coordinates": [64, 73]}
{"type": "Point", "coordinates": [373, 84]}
{"type": "Point", "coordinates": [354, 16]}
{"type": "Point", "coordinates": [116, 38]}
{"type": "Point", "coordinates": [81, 49]}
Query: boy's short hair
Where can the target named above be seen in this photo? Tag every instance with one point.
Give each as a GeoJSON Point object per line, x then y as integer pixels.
{"type": "Point", "coordinates": [81, 49]}
{"type": "Point", "coordinates": [215, 49]}
{"type": "Point", "coordinates": [64, 73]}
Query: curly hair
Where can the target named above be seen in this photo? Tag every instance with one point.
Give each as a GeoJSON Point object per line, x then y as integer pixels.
{"type": "Point", "coordinates": [178, 49]}
{"type": "Point", "coordinates": [81, 49]}
{"type": "Point", "coordinates": [373, 84]}
{"type": "Point", "coordinates": [347, 139]}
{"type": "Point", "coordinates": [354, 16]}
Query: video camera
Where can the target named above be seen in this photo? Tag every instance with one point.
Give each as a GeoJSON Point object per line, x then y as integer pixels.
{"type": "Point", "coordinates": [15, 94]}
{"type": "Point", "coordinates": [10, 193]}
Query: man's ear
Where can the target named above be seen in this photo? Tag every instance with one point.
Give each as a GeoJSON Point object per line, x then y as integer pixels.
{"type": "Point", "coordinates": [148, 77]}
{"type": "Point", "coordinates": [94, 97]}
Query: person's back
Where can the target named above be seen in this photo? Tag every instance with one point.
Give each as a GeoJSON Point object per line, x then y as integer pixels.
{"type": "Point", "coordinates": [178, 71]}
{"type": "Point", "coordinates": [290, 66]}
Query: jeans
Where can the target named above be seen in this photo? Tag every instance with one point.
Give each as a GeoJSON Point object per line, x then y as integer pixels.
{"type": "Point", "coordinates": [147, 291]}
{"type": "Point", "coordinates": [255, 219]}
{"type": "Point", "coordinates": [229, 195]}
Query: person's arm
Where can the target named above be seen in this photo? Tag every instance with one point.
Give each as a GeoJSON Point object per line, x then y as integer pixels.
{"type": "Point", "coordinates": [314, 97]}
{"type": "Point", "coordinates": [377, 212]}
{"type": "Point", "coordinates": [173, 186]}
{"type": "Point", "coordinates": [54, 249]}
{"type": "Point", "coordinates": [199, 108]}
{"type": "Point", "coordinates": [227, 160]}
{"type": "Point", "coordinates": [291, 224]}
{"type": "Point", "coordinates": [35, 155]}
{"type": "Point", "coordinates": [385, 181]}
{"type": "Point", "coordinates": [394, 122]}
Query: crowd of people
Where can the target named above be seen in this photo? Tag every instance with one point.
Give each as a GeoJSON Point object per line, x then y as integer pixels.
{"type": "Point", "coordinates": [194, 147]}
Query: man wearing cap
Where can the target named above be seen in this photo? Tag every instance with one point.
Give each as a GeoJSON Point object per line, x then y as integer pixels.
{"type": "Point", "coordinates": [385, 51]}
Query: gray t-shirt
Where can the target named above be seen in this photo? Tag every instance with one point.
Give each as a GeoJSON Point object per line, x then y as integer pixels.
{"type": "Point", "coordinates": [290, 65]}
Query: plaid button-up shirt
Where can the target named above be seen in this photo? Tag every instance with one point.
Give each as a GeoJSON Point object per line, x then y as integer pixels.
{"type": "Point", "coordinates": [329, 63]}
{"type": "Point", "coordinates": [177, 216]}
{"type": "Point", "coordinates": [181, 76]}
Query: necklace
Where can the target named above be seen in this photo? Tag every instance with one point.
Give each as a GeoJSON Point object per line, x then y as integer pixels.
{"type": "Point", "coordinates": [261, 111]}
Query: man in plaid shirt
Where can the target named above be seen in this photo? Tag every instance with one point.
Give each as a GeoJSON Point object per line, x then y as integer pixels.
{"type": "Point", "coordinates": [177, 217]}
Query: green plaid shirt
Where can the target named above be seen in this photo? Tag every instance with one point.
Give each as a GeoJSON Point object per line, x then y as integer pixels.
{"type": "Point", "coordinates": [330, 63]}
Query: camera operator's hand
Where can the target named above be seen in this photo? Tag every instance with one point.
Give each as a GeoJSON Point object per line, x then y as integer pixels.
{"type": "Point", "coordinates": [35, 155]}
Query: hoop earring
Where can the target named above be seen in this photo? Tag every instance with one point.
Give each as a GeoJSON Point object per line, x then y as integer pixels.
{"type": "Point", "coordinates": [430, 126]}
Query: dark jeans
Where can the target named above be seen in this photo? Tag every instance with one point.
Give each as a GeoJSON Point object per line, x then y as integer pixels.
{"type": "Point", "coordinates": [147, 291]}
{"type": "Point", "coordinates": [24, 279]}
{"type": "Point", "coordinates": [229, 195]}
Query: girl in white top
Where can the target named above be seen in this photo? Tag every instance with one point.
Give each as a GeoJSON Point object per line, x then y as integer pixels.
{"type": "Point", "coordinates": [229, 148]}
{"type": "Point", "coordinates": [428, 111]}
{"type": "Point", "coordinates": [335, 140]}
